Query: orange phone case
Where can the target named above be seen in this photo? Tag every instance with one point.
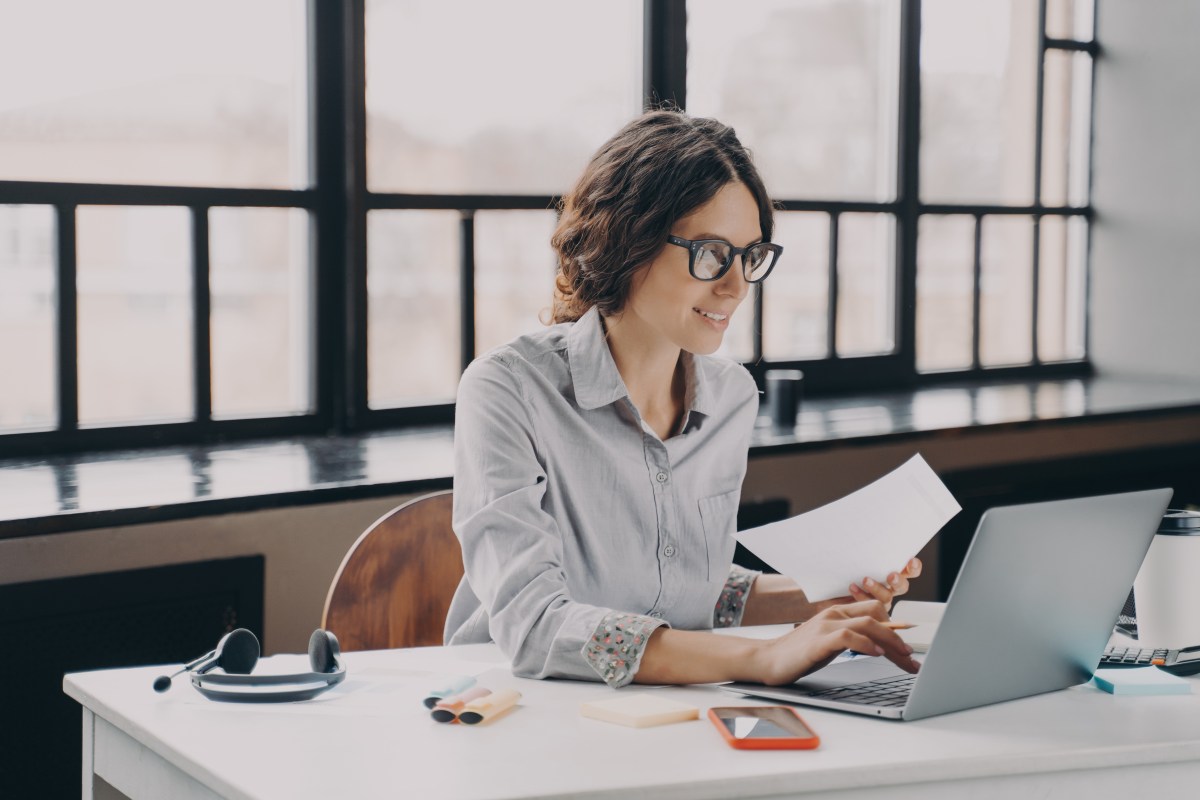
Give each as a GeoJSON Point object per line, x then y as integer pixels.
{"type": "Point", "coordinates": [790, 743]}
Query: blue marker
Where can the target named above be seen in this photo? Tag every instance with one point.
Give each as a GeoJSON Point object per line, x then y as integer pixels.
{"type": "Point", "coordinates": [449, 690]}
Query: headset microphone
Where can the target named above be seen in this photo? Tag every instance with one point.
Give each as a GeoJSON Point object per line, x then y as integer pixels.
{"type": "Point", "coordinates": [237, 653]}
{"type": "Point", "coordinates": [163, 682]}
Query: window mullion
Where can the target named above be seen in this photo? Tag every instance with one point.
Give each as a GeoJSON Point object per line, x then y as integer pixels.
{"type": "Point", "coordinates": [831, 314]}
{"type": "Point", "coordinates": [201, 317]}
{"type": "Point", "coordinates": [664, 61]}
{"type": "Point", "coordinates": [908, 185]}
{"type": "Point", "coordinates": [466, 282]}
{"type": "Point", "coordinates": [67, 318]}
{"type": "Point", "coordinates": [976, 300]}
{"type": "Point", "coordinates": [1039, 124]}
{"type": "Point", "coordinates": [336, 92]}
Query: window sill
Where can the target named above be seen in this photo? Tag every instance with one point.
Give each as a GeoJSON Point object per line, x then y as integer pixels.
{"type": "Point", "coordinates": [70, 493]}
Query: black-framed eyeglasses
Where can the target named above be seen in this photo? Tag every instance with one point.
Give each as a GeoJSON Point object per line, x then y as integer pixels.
{"type": "Point", "coordinates": [710, 259]}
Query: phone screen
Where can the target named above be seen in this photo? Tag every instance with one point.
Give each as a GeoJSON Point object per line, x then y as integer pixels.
{"type": "Point", "coordinates": [764, 723]}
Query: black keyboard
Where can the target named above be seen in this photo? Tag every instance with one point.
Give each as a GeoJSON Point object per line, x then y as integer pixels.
{"type": "Point", "coordinates": [1178, 662]}
{"type": "Point", "coordinates": [889, 692]}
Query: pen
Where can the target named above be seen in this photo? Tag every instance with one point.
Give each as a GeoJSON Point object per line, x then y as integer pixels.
{"type": "Point", "coordinates": [449, 690]}
{"type": "Point", "coordinates": [446, 709]}
{"type": "Point", "coordinates": [486, 708]}
{"type": "Point", "coordinates": [899, 626]}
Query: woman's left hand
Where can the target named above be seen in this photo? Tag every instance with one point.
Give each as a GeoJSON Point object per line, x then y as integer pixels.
{"type": "Point", "coordinates": [885, 591]}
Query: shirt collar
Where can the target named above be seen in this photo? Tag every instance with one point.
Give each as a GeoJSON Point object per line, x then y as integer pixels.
{"type": "Point", "coordinates": [598, 383]}
{"type": "Point", "coordinates": [593, 371]}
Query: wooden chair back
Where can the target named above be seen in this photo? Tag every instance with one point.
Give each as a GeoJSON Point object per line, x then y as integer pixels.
{"type": "Point", "coordinates": [395, 584]}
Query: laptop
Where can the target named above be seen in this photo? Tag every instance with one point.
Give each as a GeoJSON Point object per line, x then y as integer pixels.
{"type": "Point", "coordinates": [1031, 612]}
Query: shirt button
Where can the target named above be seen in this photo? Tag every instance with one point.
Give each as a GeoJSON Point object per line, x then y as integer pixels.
{"type": "Point", "coordinates": [669, 550]}
{"type": "Point", "coordinates": [661, 477]}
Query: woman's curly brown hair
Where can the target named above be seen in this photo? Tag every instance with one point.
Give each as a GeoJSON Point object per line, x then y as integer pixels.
{"type": "Point", "coordinates": [658, 168]}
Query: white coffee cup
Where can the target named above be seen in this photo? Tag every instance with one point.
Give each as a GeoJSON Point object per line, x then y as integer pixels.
{"type": "Point", "coordinates": [1167, 589]}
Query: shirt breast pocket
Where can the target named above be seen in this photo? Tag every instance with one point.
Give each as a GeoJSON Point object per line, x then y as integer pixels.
{"type": "Point", "coordinates": [718, 514]}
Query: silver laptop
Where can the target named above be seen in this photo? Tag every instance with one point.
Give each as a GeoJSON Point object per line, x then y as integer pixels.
{"type": "Point", "coordinates": [1031, 612]}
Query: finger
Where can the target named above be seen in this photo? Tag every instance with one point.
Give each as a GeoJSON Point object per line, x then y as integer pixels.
{"type": "Point", "coordinates": [894, 648]}
{"type": "Point", "coordinates": [821, 605]}
{"type": "Point", "coordinates": [847, 638]}
{"type": "Point", "coordinates": [913, 568]}
{"type": "Point", "coordinates": [880, 591]}
{"type": "Point", "coordinates": [861, 608]}
{"type": "Point", "coordinates": [898, 583]}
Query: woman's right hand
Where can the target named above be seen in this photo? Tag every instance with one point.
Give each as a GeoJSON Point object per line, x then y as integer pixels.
{"type": "Point", "coordinates": [810, 646]}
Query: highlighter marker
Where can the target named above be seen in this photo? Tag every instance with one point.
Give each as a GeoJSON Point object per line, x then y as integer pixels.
{"type": "Point", "coordinates": [449, 690]}
{"type": "Point", "coordinates": [446, 709]}
{"type": "Point", "coordinates": [486, 708]}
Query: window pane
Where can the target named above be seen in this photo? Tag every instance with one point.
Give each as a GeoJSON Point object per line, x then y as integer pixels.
{"type": "Point", "coordinates": [142, 91]}
{"type": "Point", "coordinates": [978, 98]}
{"type": "Point", "coordinates": [1006, 291]}
{"type": "Point", "coordinates": [945, 278]}
{"type": "Point", "coordinates": [514, 97]}
{"type": "Point", "coordinates": [796, 294]}
{"type": "Point", "coordinates": [413, 307]}
{"type": "Point", "coordinates": [866, 284]}
{"type": "Point", "coordinates": [27, 317]}
{"type": "Point", "coordinates": [1070, 19]}
{"type": "Point", "coordinates": [1063, 250]}
{"type": "Point", "coordinates": [514, 274]}
{"type": "Point", "coordinates": [1066, 128]}
{"type": "Point", "coordinates": [135, 314]}
{"type": "Point", "coordinates": [259, 280]}
{"type": "Point", "coordinates": [810, 86]}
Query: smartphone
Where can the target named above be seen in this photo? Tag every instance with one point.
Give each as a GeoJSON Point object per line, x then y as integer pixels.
{"type": "Point", "coordinates": [763, 728]}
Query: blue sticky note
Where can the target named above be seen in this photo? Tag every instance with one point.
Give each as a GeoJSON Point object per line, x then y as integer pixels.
{"type": "Point", "coordinates": [1140, 680]}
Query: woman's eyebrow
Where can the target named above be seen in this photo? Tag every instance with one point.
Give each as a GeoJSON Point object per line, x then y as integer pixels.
{"type": "Point", "coordinates": [708, 235]}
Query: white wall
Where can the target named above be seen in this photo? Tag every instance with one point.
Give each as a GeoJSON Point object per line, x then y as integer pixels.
{"type": "Point", "coordinates": [1146, 189]}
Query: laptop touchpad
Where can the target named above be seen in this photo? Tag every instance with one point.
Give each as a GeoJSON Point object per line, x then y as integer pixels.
{"type": "Point", "coordinates": [843, 673]}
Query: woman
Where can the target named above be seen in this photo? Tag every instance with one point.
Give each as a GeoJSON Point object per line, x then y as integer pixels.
{"type": "Point", "coordinates": [598, 463]}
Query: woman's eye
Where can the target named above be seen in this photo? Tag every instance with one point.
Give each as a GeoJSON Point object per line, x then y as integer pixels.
{"type": "Point", "coordinates": [709, 260]}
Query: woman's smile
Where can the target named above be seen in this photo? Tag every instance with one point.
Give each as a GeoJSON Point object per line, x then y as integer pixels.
{"type": "Point", "coordinates": [716, 319]}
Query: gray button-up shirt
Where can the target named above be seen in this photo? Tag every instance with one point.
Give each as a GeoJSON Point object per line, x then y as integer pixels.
{"type": "Point", "coordinates": [572, 512]}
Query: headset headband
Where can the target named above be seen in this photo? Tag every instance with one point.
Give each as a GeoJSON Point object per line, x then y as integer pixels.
{"type": "Point", "coordinates": [324, 656]}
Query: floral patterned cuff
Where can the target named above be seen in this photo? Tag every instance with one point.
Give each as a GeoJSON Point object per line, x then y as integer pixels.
{"type": "Point", "coordinates": [732, 602]}
{"type": "Point", "coordinates": [616, 646]}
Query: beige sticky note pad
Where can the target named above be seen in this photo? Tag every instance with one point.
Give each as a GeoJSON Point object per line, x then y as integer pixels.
{"type": "Point", "coordinates": [640, 710]}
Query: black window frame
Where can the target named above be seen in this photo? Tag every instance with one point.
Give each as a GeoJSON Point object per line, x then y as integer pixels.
{"type": "Point", "coordinates": [339, 202]}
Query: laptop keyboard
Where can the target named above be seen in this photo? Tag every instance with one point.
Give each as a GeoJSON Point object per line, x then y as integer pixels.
{"type": "Point", "coordinates": [888, 692]}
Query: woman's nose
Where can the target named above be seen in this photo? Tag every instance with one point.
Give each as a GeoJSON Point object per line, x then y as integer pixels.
{"type": "Point", "coordinates": [733, 282]}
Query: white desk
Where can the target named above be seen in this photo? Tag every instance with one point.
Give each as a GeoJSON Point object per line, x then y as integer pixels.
{"type": "Point", "coordinates": [371, 738]}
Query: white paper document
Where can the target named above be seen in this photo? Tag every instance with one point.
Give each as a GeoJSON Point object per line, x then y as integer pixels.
{"type": "Point", "coordinates": [872, 532]}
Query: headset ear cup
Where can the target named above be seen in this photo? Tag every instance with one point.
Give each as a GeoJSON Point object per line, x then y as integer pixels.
{"type": "Point", "coordinates": [323, 651]}
{"type": "Point", "coordinates": [238, 652]}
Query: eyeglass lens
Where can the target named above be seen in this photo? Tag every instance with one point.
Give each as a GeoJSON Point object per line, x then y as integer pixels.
{"type": "Point", "coordinates": [712, 258]}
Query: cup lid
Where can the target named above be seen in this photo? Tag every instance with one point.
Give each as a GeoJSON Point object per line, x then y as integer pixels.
{"type": "Point", "coordinates": [1177, 522]}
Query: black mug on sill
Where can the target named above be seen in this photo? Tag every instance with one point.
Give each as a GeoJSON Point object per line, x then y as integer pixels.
{"type": "Point", "coordinates": [784, 388]}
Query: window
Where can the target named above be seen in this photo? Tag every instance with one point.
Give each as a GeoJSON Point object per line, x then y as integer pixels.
{"type": "Point", "coordinates": [311, 216]}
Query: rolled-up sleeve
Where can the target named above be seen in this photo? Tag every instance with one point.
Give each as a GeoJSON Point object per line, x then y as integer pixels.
{"type": "Point", "coordinates": [512, 549]}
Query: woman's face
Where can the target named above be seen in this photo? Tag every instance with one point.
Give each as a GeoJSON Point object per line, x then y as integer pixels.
{"type": "Point", "coordinates": [692, 314]}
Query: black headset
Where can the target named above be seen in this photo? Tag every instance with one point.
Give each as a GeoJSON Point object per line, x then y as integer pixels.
{"type": "Point", "coordinates": [237, 653]}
